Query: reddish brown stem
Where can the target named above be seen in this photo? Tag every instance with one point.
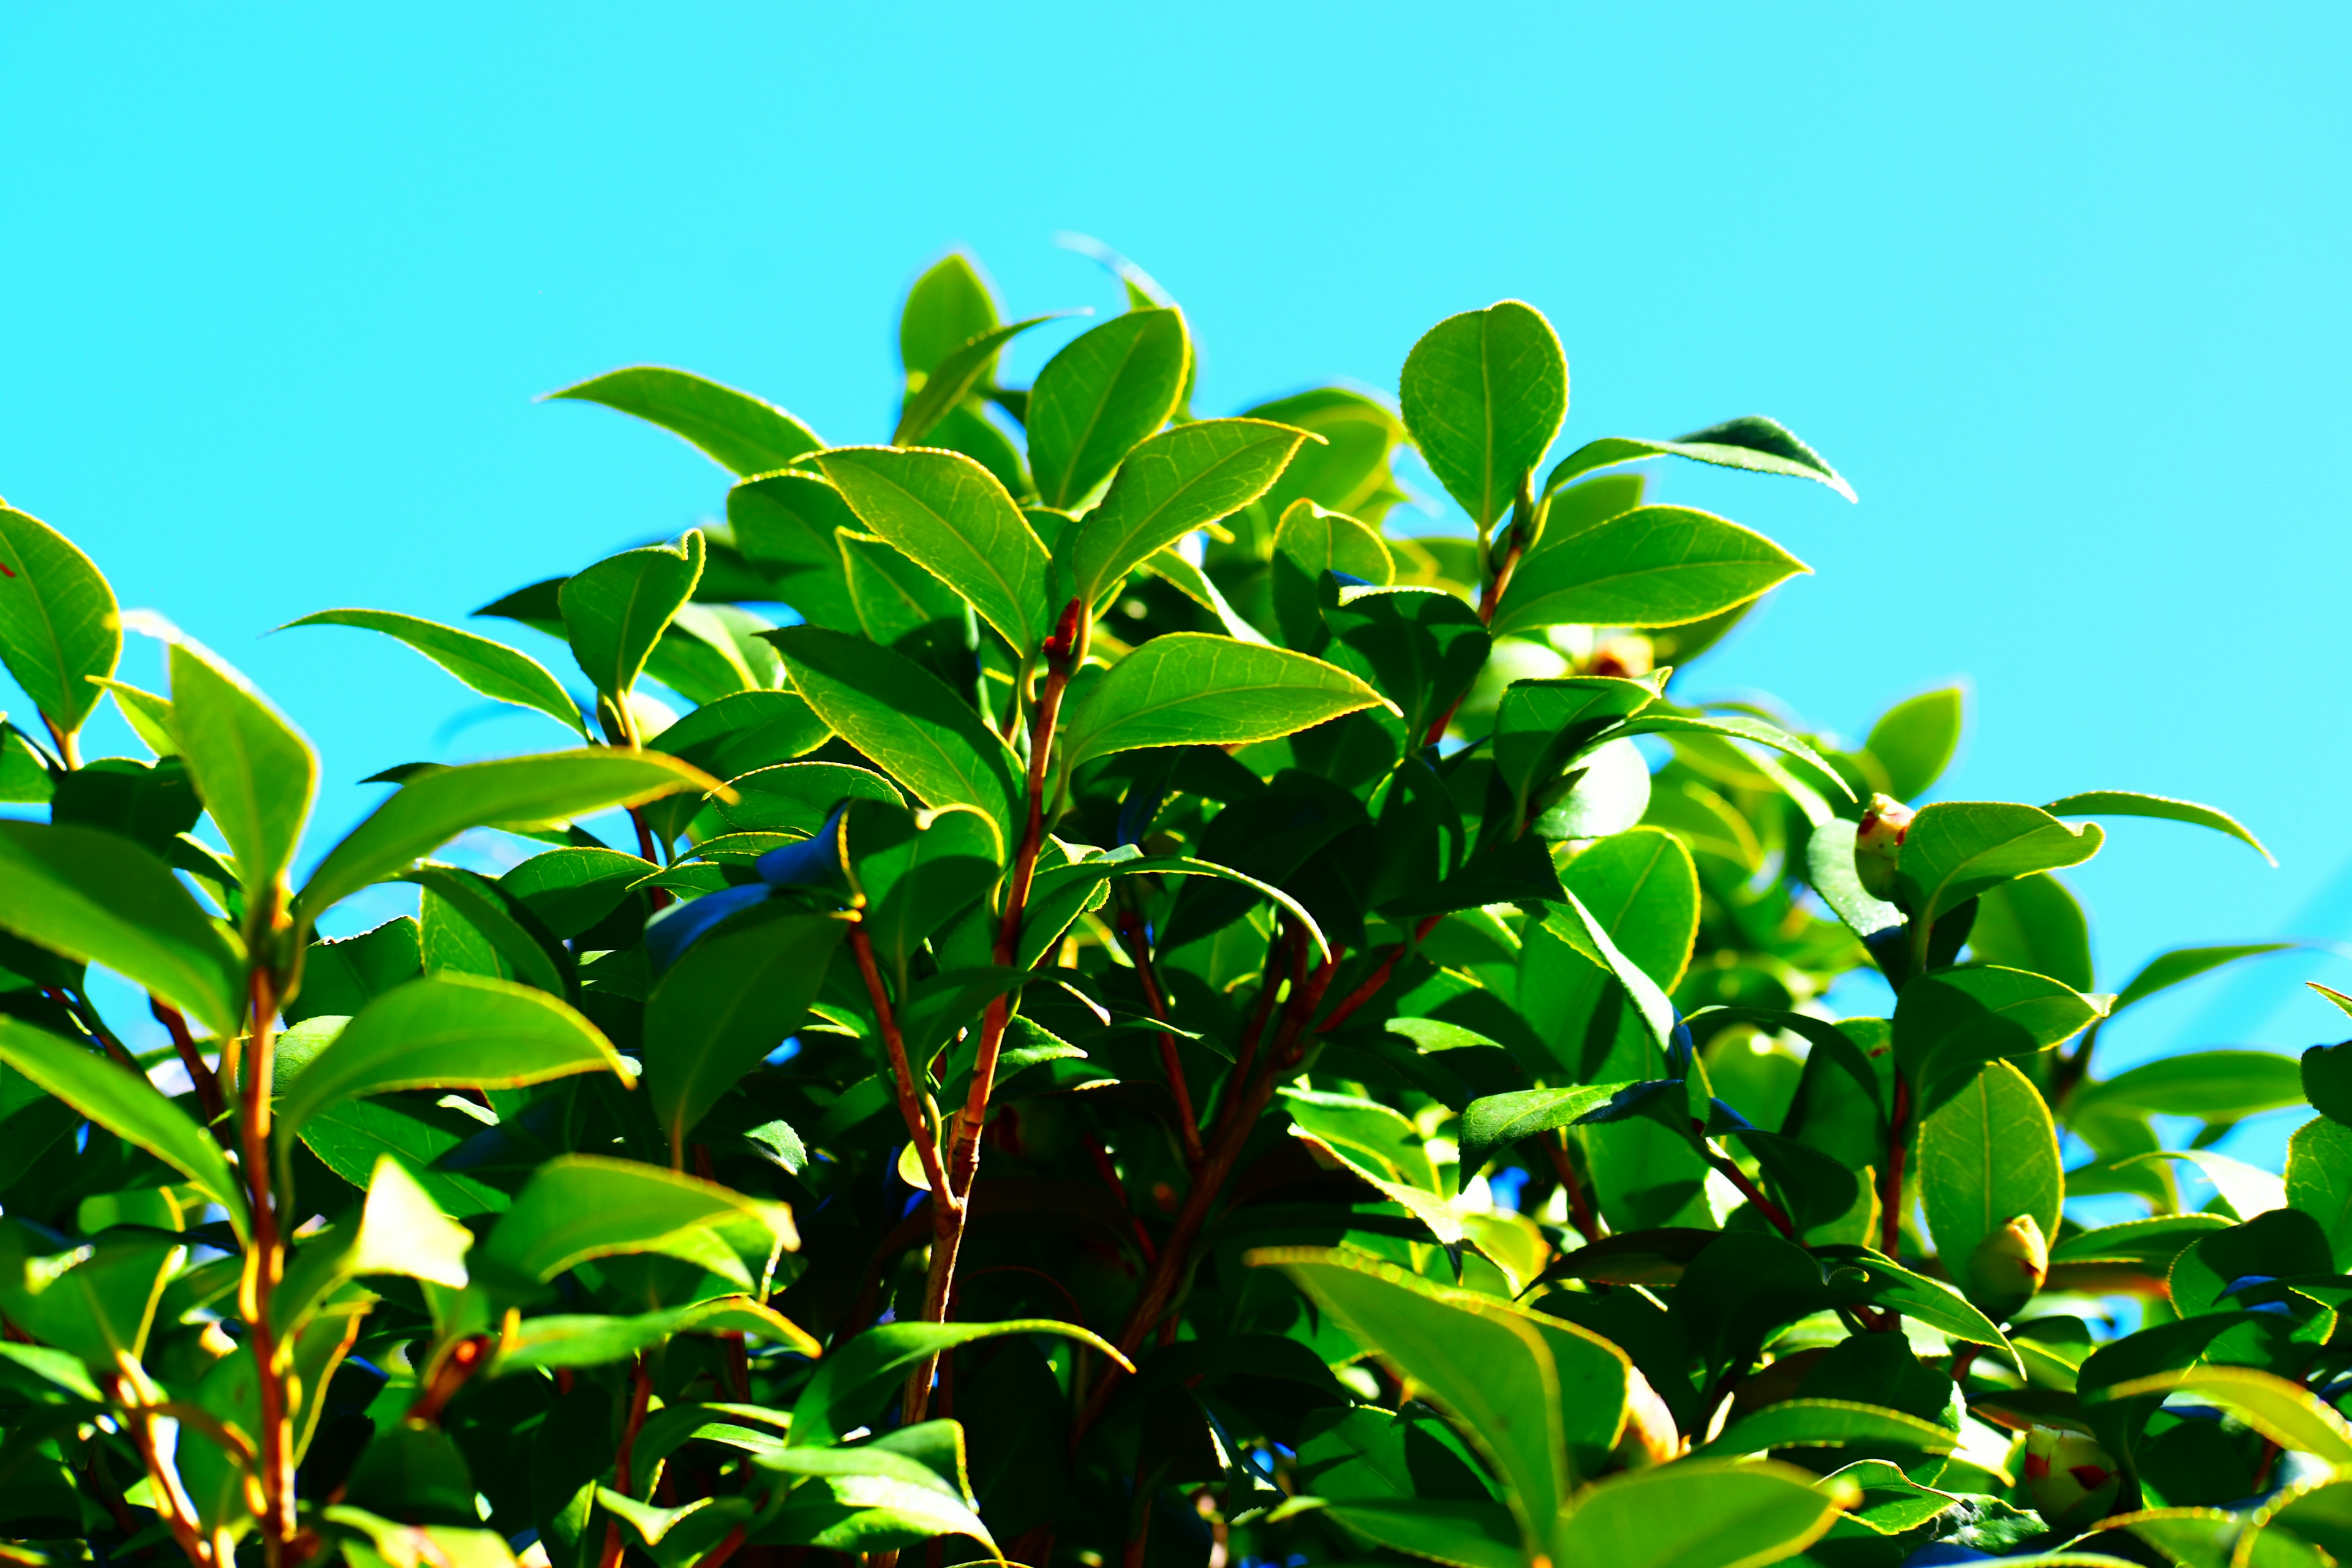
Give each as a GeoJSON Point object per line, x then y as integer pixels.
{"type": "Point", "coordinates": [660, 898]}
{"type": "Point", "coordinates": [641, 1394]}
{"type": "Point", "coordinates": [464, 1358]}
{"type": "Point", "coordinates": [207, 1085]}
{"type": "Point", "coordinates": [1890, 1182]}
{"type": "Point", "coordinates": [265, 1265]}
{"type": "Point", "coordinates": [1138, 953]}
{"type": "Point", "coordinates": [1100, 1157]}
{"type": "Point", "coordinates": [1580, 1203]}
{"type": "Point", "coordinates": [1233, 1130]}
{"type": "Point", "coordinates": [1730, 1172]}
{"type": "Point", "coordinates": [1491, 596]}
{"type": "Point", "coordinates": [1377, 978]}
{"type": "Point", "coordinates": [910, 1099]}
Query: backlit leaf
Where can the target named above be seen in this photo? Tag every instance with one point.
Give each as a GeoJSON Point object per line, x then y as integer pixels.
{"type": "Point", "coordinates": [733, 428]}
{"type": "Point", "coordinates": [949, 516]}
{"type": "Point", "coordinates": [1173, 483]}
{"type": "Point", "coordinates": [1483, 393]}
{"type": "Point", "coordinates": [1652, 566]}
{"type": "Point", "coordinates": [1109, 389]}
{"type": "Point", "coordinates": [58, 629]}
{"type": "Point", "coordinates": [1195, 689]}
{"type": "Point", "coordinates": [488, 666]}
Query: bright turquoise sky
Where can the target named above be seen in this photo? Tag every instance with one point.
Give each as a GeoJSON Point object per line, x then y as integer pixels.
{"type": "Point", "coordinates": [2060, 289]}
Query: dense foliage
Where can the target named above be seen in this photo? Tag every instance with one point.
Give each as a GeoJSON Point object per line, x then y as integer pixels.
{"type": "Point", "coordinates": [1160, 1018]}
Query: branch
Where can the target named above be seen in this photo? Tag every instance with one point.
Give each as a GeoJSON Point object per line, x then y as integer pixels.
{"type": "Point", "coordinates": [1138, 950]}
{"type": "Point", "coordinates": [208, 1089]}
{"type": "Point", "coordinates": [265, 1265]}
{"type": "Point", "coordinates": [641, 1392]}
{"type": "Point", "coordinates": [1377, 978]}
{"type": "Point", "coordinates": [1890, 1181]}
{"type": "Point", "coordinates": [1579, 1204]}
{"type": "Point", "coordinates": [910, 1099]}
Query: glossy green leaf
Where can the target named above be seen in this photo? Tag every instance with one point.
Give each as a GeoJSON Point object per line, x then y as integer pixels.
{"type": "Point", "coordinates": [1483, 393]}
{"type": "Point", "coordinates": [1700, 1513]}
{"type": "Point", "coordinates": [949, 516]}
{"type": "Point", "coordinates": [720, 1009]}
{"type": "Point", "coordinates": [853, 1382]}
{"type": "Point", "coordinates": [616, 610]}
{"type": "Point", "coordinates": [565, 1340]}
{"type": "Point", "coordinates": [894, 600]}
{"type": "Point", "coordinates": [872, 1499]}
{"type": "Point", "coordinates": [448, 1031]}
{"type": "Point", "coordinates": [1481, 1361]}
{"type": "Point", "coordinates": [2284, 1411]}
{"type": "Point", "coordinates": [2169, 969]}
{"type": "Point", "coordinates": [124, 1104]}
{"type": "Point", "coordinates": [735, 429]}
{"type": "Point", "coordinates": [580, 1206]}
{"type": "Point", "coordinates": [915, 885]}
{"type": "Point", "coordinates": [1196, 586]}
{"type": "Point", "coordinates": [1419, 647]}
{"type": "Point", "coordinates": [787, 525]}
{"type": "Point", "coordinates": [2319, 1180]}
{"type": "Point", "coordinates": [100, 897]}
{"type": "Point", "coordinates": [1177, 482]}
{"type": "Point", "coordinates": [350, 1138]}
{"type": "Point", "coordinates": [58, 630]}
{"type": "Point", "coordinates": [147, 714]}
{"type": "Point", "coordinates": [2034, 923]}
{"type": "Point", "coordinates": [1915, 739]}
{"type": "Point", "coordinates": [1956, 850]}
{"type": "Point", "coordinates": [1060, 893]}
{"type": "Point", "coordinates": [1948, 1024]}
{"type": "Point", "coordinates": [399, 1231]}
{"type": "Point", "coordinates": [2218, 1086]}
{"type": "Point", "coordinates": [97, 1300]}
{"type": "Point", "coordinates": [570, 890]}
{"type": "Point", "coordinates": [1731, 726]}
{"type": "Point", "coordinates": [1348, 470]}
{"type": "Point", "coordinates": [1107, 390]}
{"type": "Point", "coordinates": [1987, 1155]}
{"type": "Point", "coordinates": [1652, 566]}
{"type": "Point", "coordinates": [1454, 1530]}
{"type": "Point", "coordinates": [947, 307]}
{"type": "Point", "coordinates": [1195, 689]}
{"type": "Point", "coordinates": [1540, 724]}
{"type": "Point", "coordinates": [432, 808]}
{"type": "Point", "coordinates": [1308, 543]}
{"type": "Point", "coordinates": [256, 775]}
{"type": "Point", "coordinates": [488, 666]}
{"type": "Point", "coordinates": [1490, 1124]}
{"type": "Point", "coordinates": [902, 717]}
{"type": "Point", "coordinates": [1828, 867]}
{"type": "Point", "coordinates": [1582, 930]}
{"type": "Point", "coordinates": [1752, 441]}
{"type": "Point", "coordinates": [1829, 1424]}
{"type": "Point", "coordinates": [529, 950]}
{"type": "Point", "coordinates": [2124, 802]}
{"type": "Point", "coordinates": [954, 376]}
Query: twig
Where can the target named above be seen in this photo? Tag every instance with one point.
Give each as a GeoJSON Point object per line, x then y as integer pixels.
{"type": "Point", "coordinates": [641, 1394]}
{"type": "Point", "coordinates": [207, 1085]}
{"type": "Point", "coordinates": [1138, 950]}
{"type": "Point", "coordinates": [1378, 977]}
{"type": "Point", "coordinates": [1100, 1157]}
{"type": "Point", "coordinates": [1579, 1204]}
{"type": "Point", "coordinates": [265, 1265]}
{"type": "Point", "coordinates": [1890, 1182]}
{"type": "Point", "coordinates": [1722, 1165]}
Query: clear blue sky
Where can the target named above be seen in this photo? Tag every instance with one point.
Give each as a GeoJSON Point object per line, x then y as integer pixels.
{"type": "Point", "coordinates": [2060, 289]}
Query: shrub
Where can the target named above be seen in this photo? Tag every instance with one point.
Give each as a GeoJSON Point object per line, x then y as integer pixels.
{"type": "Point", "coordinates": [1164, 1018]}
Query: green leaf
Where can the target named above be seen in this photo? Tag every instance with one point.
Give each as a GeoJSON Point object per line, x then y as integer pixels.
{"type": "Point", "coordinates": [1196, 688]}
{"type": "Point", "coordinates": [1483, 393]}
{"type": "Point", "coordinates": [893, 599]}
{"type": "Point", "coordinates": [1987, 1155]}
{"type": "Point", "coordinates": [1652, 566]}
{"type": "Point", "coordinates": [852, 1384]}
{"type": "Point", "coordinates": [448, 1031]}
{"type": "Point", "coordinates": [488, 666]}
{"type": "Point", "coordinates": [2034, 923]}
{"type": "Point", "coordinates": [1109, 389]}
{"type": "Point", "coordinates": [1196, 586]}
{"type": "Point", "coordinates": [1512, 1382]}
{"type": "Point", "coordinates": [2124, 802]}
{"type": "Point", "coordinates": [956, 374]}
{"type": "Point", "coordinates": [576, 1207]}
{"type": "Point", "coordinates": [950, 516]}
{"type": "Point", "coordinates": [2169, 969]}
{"type": "Point", "coordinates": [1829, 868]}
{"type": "Point", "coordinates": [559, 1339]}
{"type": "Point", "coordinates": [432, 808]}
{"type": "Point", "coordinates": [902, 717]}
{"type": "Point", "coordinates": [1829, 1424]}
{"type": "Point", "coordinates": [572, 890]}
{"type": "Point", "coordinates": [256, 775]}
{"type": "Point", "coordinates": [350, 1138]}
{"type": "Point", "coordinates": [100, 897]}
{"type": "Point", "coordinates": [1581, 929]}
{"type": "Point", "coordinates": [1948, 1024]}
{"type": "Point", "coordinates": [947, 307]}
{"type": "Point", "coordinates": [1540, 724]}
{"type": "Point", "coordinates": [126, 1105]}
{"type": "Point", "coordinates": [58, 630]}
{"type": "Point", "coordinates": [1752, 441]}
{"type": "Point", "coordinates": [1491, 1123]}
{"type": "Point", "coordinates": [1179, 481]}
{"type": "Point", "coordinates": [717, 1013]}
{"type": "Point", "coordinates": [1915, 739]}
{"type": "Point", "coordinates": [530, 950]}
{"type": "Point", "coordinates": [1698, 1513]}
{"type": "Point", "coordinates": [2217, 1086]}
{"type": "Point", "coordinates": [149, 715]}
{"type": "Point", "coordinates": [1349, 470]}
{"type": "Point", "coordinates": [615, 611]}
{"type": "Point", "coordinates": [2286, 1413]}
{"type": "Point", "coordinates": [400, 1231]}
{"type": "Point", "coordinates": [1308, 543]}
{"type": "Point", "coordinates": [737, 430]}
{"type": "Point", "coordinates": [786, 525]}
{"type": "Point", "coordinates": [1060, 893]}
{"type": "Point", "coordinates": [2319, 1180]}
{"type": "Point", "coordinates": [871, 1499]}
{"type": "Point", "coordinates": [1732, 726]}
{"type": "Point", "coordinates": [1420, 647]}
{"type": "Point", "coordinates": [97, 1300]}
{"type": "Point", "coordinates": [920, 873]}
{"type": "Point", "coordinates": [1454, 1530]}
{"type": "Point", "coordinates": [1955, 849]}
{"type": "Point", "coordinates": [744, 730]}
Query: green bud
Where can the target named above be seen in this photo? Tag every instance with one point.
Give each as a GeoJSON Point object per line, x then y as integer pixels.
{"type": "Point", "coordinates": [2006, 1267]}
{"type": "Point", "coordinates": [1878, 844]}
{"type": "Point", "coordinates": [2068, 1476]}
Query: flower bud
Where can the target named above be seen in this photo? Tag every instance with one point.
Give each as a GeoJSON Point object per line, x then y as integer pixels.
{"type": "Point", "coordinates": [1631, 655]}
{"type": "Point", "coordinates": [2068, 1476]}
{"type": "Point", "coordinates": [1650, 1436]}
{"type": "Point", "coordinates": [2006, 1267]}
{"type": "Point", "coordinates": [1878, 844]}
